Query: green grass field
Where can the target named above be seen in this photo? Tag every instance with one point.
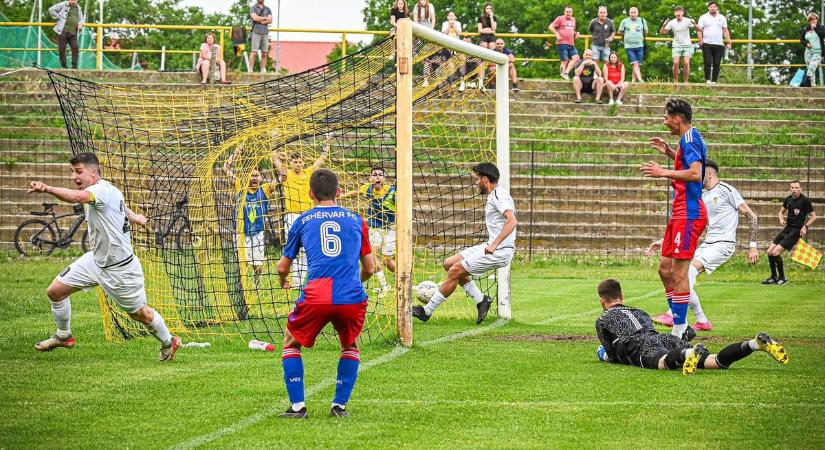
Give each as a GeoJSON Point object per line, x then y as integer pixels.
{"type": "Point", "coordinates": [534, 382]}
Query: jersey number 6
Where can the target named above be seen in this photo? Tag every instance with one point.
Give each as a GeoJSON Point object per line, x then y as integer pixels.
{"type": "Point", "coordinates": [330, 243]}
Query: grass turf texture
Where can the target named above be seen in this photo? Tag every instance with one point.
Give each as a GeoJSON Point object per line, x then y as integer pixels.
{"type": "Point", "coordinates": [531, 383]}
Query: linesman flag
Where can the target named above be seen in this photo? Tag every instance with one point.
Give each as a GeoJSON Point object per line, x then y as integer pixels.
{"type": "Point", "coordinates": [806, 254]}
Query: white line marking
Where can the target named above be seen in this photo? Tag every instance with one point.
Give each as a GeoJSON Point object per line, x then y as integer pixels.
{"type": "Point", "coordinates": [317, 387]}
{"type": "Point", "coordinates": [591, 312]}
{"type": "Point", "coordinates": [585, 403]}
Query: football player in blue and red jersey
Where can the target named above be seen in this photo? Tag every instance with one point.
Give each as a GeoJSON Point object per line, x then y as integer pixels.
{"type": "Point", "coordinates": [688, 217]}
{"type": "Point", "coordinates": [335, 240]}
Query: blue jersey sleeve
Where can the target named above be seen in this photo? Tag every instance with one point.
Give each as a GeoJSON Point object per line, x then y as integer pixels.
{"type": "Point", "coordinates": [693, 149]}
{"type": "Point", "coordinates": [293, 241]}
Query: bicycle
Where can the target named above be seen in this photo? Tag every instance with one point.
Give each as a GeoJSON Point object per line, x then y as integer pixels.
{"type": "Point", "coordinates": [37, 237]}
{"type": "Point", "coordinates": [178, 226]}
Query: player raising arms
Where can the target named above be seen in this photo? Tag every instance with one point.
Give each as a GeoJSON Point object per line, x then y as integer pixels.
{"type": "Point", "coordinates": [111, 264]}
{"type": "Point", "coordinates": [497, 252]}
{"type": "Point", "coordinates": [723, 203]}
{"type": "Point", "coordinates": [688, 217]}
{"type": "Point", "coordinates": [335, 240]}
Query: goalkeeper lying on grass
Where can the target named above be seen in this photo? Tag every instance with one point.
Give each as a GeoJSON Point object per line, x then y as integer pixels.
{"type": "Point", "coordinates": [627, 336]}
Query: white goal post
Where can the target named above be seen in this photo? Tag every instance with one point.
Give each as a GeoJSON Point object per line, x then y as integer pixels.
{"type": "Point", "coordinates": [405, 32]}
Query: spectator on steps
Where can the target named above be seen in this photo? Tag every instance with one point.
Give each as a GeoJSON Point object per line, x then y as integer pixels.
{"type": "Point", "coordinates": [261, 18]}
{"type": "Point", "coordinates": [633, 30]}
{"type": "Point", "coordinates": [711, 27]}
{"type": "Point", "coordinates": [564, 27]}
{"type": "Point", "coordinates": [813, 38]}
{"type": "Point", "coordinates": [211, 55]}
{"type": "Point", "coordinates": [114, 42]}
{"type": "Point", "coordinates": [424, 13]}
{"type": "Point", "coordinates": [512, 62]}
{"type": "Point", "coordinates": [399, 11]}
{"type": "Point", "coordinates": [682, 47]}
{"type": "Point", "coordinates": [614, 79]}
{"type": "Point", "coordinates": [588, 77]}
{"type": "Point", "coordinates": [603, 32]}
{"type": "Point", "coordinates": [70, 20]}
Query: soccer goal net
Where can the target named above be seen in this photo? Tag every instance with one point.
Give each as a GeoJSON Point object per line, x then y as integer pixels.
{"type": "Point", "coordinates": [222, 173]}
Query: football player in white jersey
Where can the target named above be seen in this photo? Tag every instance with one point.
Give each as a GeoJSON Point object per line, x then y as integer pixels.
{"type": "Point", "coordinates": [497, 252]}
{"type": "Point", "coordinates": [723, 203]}
{"type": "Point", "coordinates": [111, 264]}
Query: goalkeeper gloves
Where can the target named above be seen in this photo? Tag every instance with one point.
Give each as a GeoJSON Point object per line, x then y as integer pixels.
{"type": "Point", "coordinates": [601, 353]}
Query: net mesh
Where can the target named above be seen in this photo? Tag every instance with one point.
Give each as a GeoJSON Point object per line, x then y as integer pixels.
{"type": "Point", "coordinates": [210, 167]}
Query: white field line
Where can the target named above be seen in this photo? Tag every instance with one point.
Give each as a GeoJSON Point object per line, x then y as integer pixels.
{"type": "Point", "coordinates": [566, 404]}
{"type": "Point", "coordinates": [317, 387]}
{"type": "Point", "coordinates": [598, 310]}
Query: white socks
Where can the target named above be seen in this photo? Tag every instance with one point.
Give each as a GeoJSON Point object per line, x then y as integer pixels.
{"type": "Point", "coordinates": [62, 313]}
{"type": "Point", "coordinates": [694, 304]}
{"type": "Point", "coordinates": [159, 329]}
{"type": "Point", "coordinates": [473, 291]}
{"type": "Point", "coordinates": [754, 345]}
{"type": "Point", "coordinates": [298, 406]}
{"type": "Point", "coordinates": [437, 299]}
{"type": "Point", "coordinates": [382, 279]}
{"type": "Point", "coordinates": [679, 330]}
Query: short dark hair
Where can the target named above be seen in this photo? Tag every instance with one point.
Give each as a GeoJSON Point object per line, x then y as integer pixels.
{"type": "Point", "coordinates": [610, 289]}
{"type": "Point", "coordinates": [324, 184]}
{"type": "Point", "coordinates": [295, 155]}
{"type": "Point", "coordinates": [678, 8]}
{"type": "Point", "coordinates": [679, 107]}
{"type": "Point", "coordinates": [712, 164]}
{"type": "Point", "coordinates": [85, 158]}
{"type": "Point", "coordinates": [712, 3]}
{"type": "Point", "coordinates": [796, 181]}
{"type": "Point", "coordinates": [374, 168]}
{"type": "Point", "coordinates": [488, 170]}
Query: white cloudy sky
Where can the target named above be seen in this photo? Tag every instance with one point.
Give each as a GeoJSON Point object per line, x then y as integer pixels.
{"type": "Point", "coordinates": [318, 14]}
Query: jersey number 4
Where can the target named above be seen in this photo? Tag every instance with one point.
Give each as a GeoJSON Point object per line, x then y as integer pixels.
{"type": "Point", "coordinates": [677, 240]}
{"type": "Point", "coordinates": [330, 243]}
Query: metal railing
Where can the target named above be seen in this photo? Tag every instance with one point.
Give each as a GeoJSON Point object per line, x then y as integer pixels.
{"type": "Point", "coordinates": [221, 31]}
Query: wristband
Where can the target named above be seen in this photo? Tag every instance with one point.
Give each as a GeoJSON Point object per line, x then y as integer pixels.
{"type": "Point", "coordinates": [753, 244]}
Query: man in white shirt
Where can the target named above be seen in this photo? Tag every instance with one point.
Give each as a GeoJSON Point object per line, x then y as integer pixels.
{"type": "Point", "coordinates": [497, 252]}
{"type": "Point", "coordinates": [723, 203]}
{"type": "Point", "coordinates": [682, 47]}
{"type": "Point", "coordinates": [710, 30]}
{"type": "Point", "coordinates": [111, 264]}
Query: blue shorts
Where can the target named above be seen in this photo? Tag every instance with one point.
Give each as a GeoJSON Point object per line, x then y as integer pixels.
{"type": "Point", "coordinates": [566, 52]}
{"type": "Point", "coordinates": [635, 55]}
{"type": "Point", "coordinates": [600, 52]}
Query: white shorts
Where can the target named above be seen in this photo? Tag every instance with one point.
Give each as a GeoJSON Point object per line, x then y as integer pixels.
{"type": "Point", "coordinates": [714, 255]}
{"type": "Point", "coordinates": [384, 239]}
{"type": "Point", "coordinates": [478, 263]}
{"type": "Point", "coordinates": [124, 285]}
{"type": "Point", "coordinates": [254, 246]}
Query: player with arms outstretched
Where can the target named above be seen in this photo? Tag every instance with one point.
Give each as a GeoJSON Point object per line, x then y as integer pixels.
{"type": "Point", "coordinates": [335, 240]}
{"type": "Point", "coordinates": [688, 217]}
{"type": "Point", "coordinates": [497, 252]}
{"type": "Point", "coordinates": [111, 264]}
{"type": "Point", "coordinates": [723, 203]}
{"type": "Point", "coordinates": [627, 336]}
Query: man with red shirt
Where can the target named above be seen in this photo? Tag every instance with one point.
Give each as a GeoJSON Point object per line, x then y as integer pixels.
{"type": "Point", "coordinates": [688, 217]}
{"type": "Point", "coordinates": [564, 27]}
{"type": "Point", "coordinates": [335, 240]}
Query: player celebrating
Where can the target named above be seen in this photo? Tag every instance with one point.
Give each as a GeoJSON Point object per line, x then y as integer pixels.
{"type": "Point", "coordinates": [335, 240]}
{"type": "Point", "coordinates": [688, 217]}
{"type": "Point", "coordinates": [111, 263]}
{"type": "Point", "coordinates": [627, 336]}
{"type": "Point", "coordinates": [381, 221]}
{"type": "Point", "coordinates": [255, 200]}
{"type": "Point", "coordinates": [295, 182]}
{"type": "Point", "coordinates": [497, 252]}
{"type": "Point", "coordinates": [797, 207]}
{"type": "Point", "coordinates": [723, 203]}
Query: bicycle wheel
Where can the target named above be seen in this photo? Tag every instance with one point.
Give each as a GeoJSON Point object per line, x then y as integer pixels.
{"type": "Point", "coordinates": [35, 237]}
{"type": "Point", "coordinates": [84, 241]}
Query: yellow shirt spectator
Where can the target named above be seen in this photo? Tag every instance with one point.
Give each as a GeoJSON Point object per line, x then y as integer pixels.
{"type": "Point", "coordinates": [296, 192]}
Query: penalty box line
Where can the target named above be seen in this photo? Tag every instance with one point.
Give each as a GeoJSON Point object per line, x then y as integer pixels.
{"type": "Point", "coordinates": [329, 382]}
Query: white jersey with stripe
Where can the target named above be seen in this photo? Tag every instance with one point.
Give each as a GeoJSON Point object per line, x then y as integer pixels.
{"type": "Point", "coordinates": [722, 204]}
{"type": "Point", "coordinates": [498, 202]}
{"type": "Point", "coordinates": [108, 225]}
